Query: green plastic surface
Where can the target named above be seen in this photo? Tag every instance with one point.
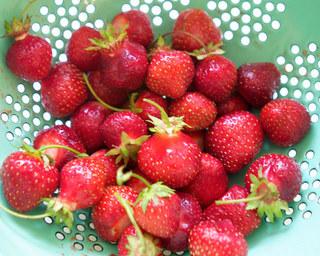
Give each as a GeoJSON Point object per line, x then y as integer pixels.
{"type": "Point", "coordinates": [284, 32]}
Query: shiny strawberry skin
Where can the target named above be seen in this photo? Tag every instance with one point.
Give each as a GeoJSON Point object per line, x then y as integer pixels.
{"type": "Point", "coordinates": [197, 111]}
{"type": "Point", "coordinates": [170, 73]}
{"type": "Point", "coordinates": [279, 169]}
{"type": "Point", "coordinates": [59, 135]}
{"type": "Point", "coordinates": [173, 159]}
{"type": "Point", "coordinates": [258, 82]}
{"type": "Point", "coordinates": [216, 78]}
{"type": "Point", "coordinates": [235, 139]}
{"type": "Point", "coordinates": [26, 180]}
{"type": "Point", "coordinates": [30, 58]}
{"type": "Point", "coordinates": [139, 29]}
{"type": "Point", "coordinates": [77, 52]}
{"type": "Point", "coordinates": [285, 121]}
{"type": "Point", "coordinates": [210, 183]}
{"type": "Point", "coordinates": [198, 137]}
{"type": "Point", "coordinates": [199, 24]}
{"type": "Point", "coordinates": [63, 90]}
{"type": "Point", "coordinates": [245, 221]}
{"type": "Point", "coordinates": [232, 104]}
{"type": "Point", "coordinates": [108, 216]}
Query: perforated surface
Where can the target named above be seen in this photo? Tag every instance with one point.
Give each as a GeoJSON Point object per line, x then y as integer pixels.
{"type": "Point", "coordinates": [255, 30]}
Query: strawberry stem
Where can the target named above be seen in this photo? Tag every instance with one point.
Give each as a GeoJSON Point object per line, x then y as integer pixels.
{"type": "Point", "coordinates": [124, 177]}
{"type": "Point", "coordinates": [132, 103]}
{"type": "Point", "coordinates": [27, 7]}
{"type": "Point", "coordinates": [137, 176]}
{"type": "Point", "coordinates": [242, 200]}
{"type": "Point", "coordinates": [72, 150]}
{"type": "Point", "coordinates": [164, 115]}
{"type": "Point", "coordinates": [24, 216]}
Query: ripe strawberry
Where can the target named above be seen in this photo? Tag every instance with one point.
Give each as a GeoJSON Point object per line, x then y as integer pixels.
{"type": "Point", "coordinates": [108, 216]}
{"type": "Point", "coordinates": [59, 135]}
{"type": "Point", "coordinates": [233, 104]}
{"type": "Point", "coordinates": [216, 78]}
{"type": "Point", "coordinates": [285, 121]}
{"type": "Point", "coordinates": [197, 110]}
{"type": "Point", "coordinates": [245, 221]}
{"type": "Point", "coordinates": [198, 137]}
{"type": "Point", "coordinates": [190, 214]}
{"type": "Point", "coordinates": [210, 183]}
{"type": "Point", "coordinates": [235, 139]}
{"type": "Point", "coordinates": [136, 24]}
{"type": "Point", "coordinates": [26, 179]}
{"type": "Point", "coordinates": [257, 82]}
{"type": "Point", "coordinates": [86, 122]}
{"type": "Point", "coordinates": [213, 238]}
{"type": "Point", "coordinates": [170, 73]}
{"type": "Point", "coordinates": [63, 91]}
{"type": "Point", "coordinates": [77, 52]}
{"type": "Point", "coordinates": [193, 29]}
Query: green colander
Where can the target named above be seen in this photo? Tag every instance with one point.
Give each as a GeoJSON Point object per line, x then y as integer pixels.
{"type": "Point", "coordinates": [280, 31]}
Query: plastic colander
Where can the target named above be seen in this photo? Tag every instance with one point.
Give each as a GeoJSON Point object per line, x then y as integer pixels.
{"type": "Point", "coordinates": [283, 32]}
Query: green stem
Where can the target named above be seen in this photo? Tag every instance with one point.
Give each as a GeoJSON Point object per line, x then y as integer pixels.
{"type": "Point", "coordinates": [137, 176]}
{"type": "Point", "coordinates": [242, 200]}
{"type": "Point", "coordinates": [72, 150]}
{"type": "Point", "coordinates": [27, 7]}
{"type": "Point", "coordinates": [164, 115]}
{"type": "Point", "coordinates": [194, 38]}
{"type": "Point", "coordinates": [24, 216]}
{"type": "Point", "coordinates": [132, 103]}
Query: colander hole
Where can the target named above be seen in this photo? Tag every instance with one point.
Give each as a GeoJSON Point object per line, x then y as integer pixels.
{"type": "Point", "coordinates": [246, 6]}
{"type": "Point", "coordinates": [26, 113]}
{"type": "Point", "coordinates": [58, 2]}
{"type": "Point", "coordinates": [156, 10]}
{"type": "Point", "coordinates": [44, 10]}
{"type": "Point", "coordinates": [82, 216]}
{"type": "Point", "coordinates": [26, 127]}
{"type": "Point", "coordinates": [55, 32]}
{"type": "Point", "coordinates": [281, 7]}
{"type": "Point", "coordinates": [294, 81]}
{"type": "Point", "coordinates": [68, 123]}
{"type": "Point", "coordinates": [257, 1]}
{"type": "Point", "coordinates": [173, 14]}
{"type": "Point", "coordinates": [297, 198]}
{"type": "Point", "coordinates": [275, 95]}
{"type": "Point", "coordinates": [46, 116]}
{"type": "Point", "coordinates": [217, 22]}
{"type": "Point", "coordinates": [307, 215]}
{"type": "Point", "coordinates": [287, 221]}
{"type": "Point", "coordinates": [312, 47]}
{"type": "Point", "coordinates": [78, 246]}
{"type": "Point", "coordinates": [245, 29]}
{"type": "Point", "coordinates": [27, 141]}
{"type": "Point", "coordinates": [211, 5]}
{"type": "Point", "coordinates": [180, 253]}
{"type": "Point", "coordinates": [303, 71]}
{"type": "Point", "coordinates": [58, 122]}
{"type": "Point", "coordinates": [275, 24]}
{"type": "Point", "coordinates": [20, 88]}
{"type": "Point", "coordinates": [289, 211]}
{"type": "Point", "coordinates": [298, 60]}
{"type": "Point", "coordinates": [97, 247]}
{"type": "Point", "coordinates": [92, 238]}
{"type": "Point", "coordinates": [36, 109]}
{"type": "Point", "coordinates": [99, 23]}
{"type": "Point", "coordinates": [284, 79]}
{"type": "Point", "coordinates": [17, 106]}
{"type": "Point", "coordinates": [302, 206]}
{"type": "Point", "coordinates": [35, 27]}
{"type": "Point", "coordinates": [48, 220]}
{"type": "Point", "coordinates": [166, 253]}
{"type": "Point", "coordinates": [312, 196]}
{"type": "Point", "coordinates": [226, 17]}
{"type": "Point", "coordinates": [269, 7]}
{"type": "Point", "coordinates": [9, 99]}
{"type": "Point", "coordinates": [36, 121]}
{"type": "Point", "coordinates": [35, 133]}
{"type": "Point", "coordinates": [54, 53]}
{"type": "Point", "coordinates": [14, 118]}
{"type": "Point", "coordinates": [228, 35]}
{"type": "Point", "coordinates": [67, 34]}
{"type": "Point", "coordinates": [314, 73]}
{"type": "Point", "coordinates": [64, 22]}
{"type": "Point", "coordinates": [66, 230]}
{"type": "Point", "coordinates": [45, 29]}
{"type": "Point", "coordinates": [304, 165]}
{"type": "Point", "coordinates": [145, 8]}
{"type": "Point", "coordinates": [234, 25]}
{"type": "Point", "coordinates": [281, 60]}
{"type": "Point", "coordinates": [90, 8]}
{"type": "Point", "coordinates": [81, 228]}
{"type": "Point", "coordinates": [9, 136]}
{"type": "Point", "coordinates": [297, 94]}
{"type": "Point", "coordinates": [295, 49]}
{"type": "Point", "coordinates": [266, 18]}
{"type": "Point", "coordinates": [222, 5]}
{"type": "Point", "coordinates": [125, 8]}
{"type": "Point", "coordinates": [63, 57]}
{"type": "Point", "coordinates": [311, 59]}
{"type": "Point", "coordinates": [73, 11]}
{"type": "Point", "coordinates": [283, 91]}
{"type": "Point", "coordinates": [4, 117]}
{"type": "Point", "coordinates": [304, 186]}
{"type": "Point", "coordinates": [313, 173]}
{"type": "Point", "coordinates": [310, 154]}
{"type": "Point", "coordinates": [91, 225]}
{"type": "Point", "coordinates": [75, 24]}
{"type": "Point", "coordinates": [83, 17]}
{"type": "Point", "coordinates": [36, 97]}
{"type": "Point", "coordinates": [235, 1]}
{"type": "Point", "coordinates": [314, 118]}
{"type": "Point", "coordinates": [60, 236]}
{"type": "Point", "coordinates": [288, 67]}
{"type": "Point", "coordinates": [245, 40]}
{"type": "Point", "coordinates": [306, 84]}
{"type": "Point", "coordinates": [79, 237]}
{"type": "Point", "coordinates": [246, 18]}
{"type": "Point", "coordinates": [51, 18]}
{"type": "Point", "coordinates": [59, 44]}
{"type": "Point", "coordinates": [75, 2]}
{"type": "Point", "coordinates": [316, 184]}
{"type": "Point", "coordinates": [18, 131]}
{"type": "Point", "coordinates": [235, 11]}
{"type": "Point", "coordinates": [134, 2]}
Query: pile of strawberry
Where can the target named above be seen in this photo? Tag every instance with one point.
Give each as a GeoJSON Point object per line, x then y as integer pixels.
{"type": "Point", "coordinates": [155, 132]}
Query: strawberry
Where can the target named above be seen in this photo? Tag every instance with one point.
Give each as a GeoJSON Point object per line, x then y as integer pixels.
{"type": "Point", "coordinates": [210, 183]}
{"type": "Point", "coordinates": [213, 238]}
{"type": "Point", "coordinates": [216, 78]}
{"type": "Point", "coordinates": [285, 121]}
{"type": "Point", "coordinates": [235, 139]}
{"type": "Point", "coordinates": [190, 214]}
{"type": "Point", "coordinates": [77, 52]}
{"type": "Point", "coordinates": [232, 104]}
{"type": "Point", "coordinates": [169, 155]}
{"type": "Point", "coordinates": [170, 73]}
{"type": "Point", "coordinates": [108, 216]}
{"type": "Point", "coordinates": [193, 29]}
{"type": "Point", "coordinates": [258, 82]}
{"type": "Point", "coordinates": [27, 178]}
{"type": "Point", "coordinates": [198, 137]}
{"type": "Point", "coordinates": [136, 24]}
{"type": "Point", "coordinates": [86, 122]}
{"type": "Point", "coordinates": [197, 110]}
{"type": "Point", "coordinates": [135, 183]}
{"type": "Point", "coordinates": [245, 221]}
{"type": "Point", "coordinates": [63, 91]}
{"type": "Point", "coordinates": [59, 135]}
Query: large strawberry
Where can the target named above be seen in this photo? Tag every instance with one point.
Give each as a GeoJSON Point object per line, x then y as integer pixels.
{"type": "Point", "coordinates": [235, 139]}
{"type": "Point", "coordinates": [232, 104]}
{"type": "Point", "coordinates": [193, 29]}
{"type": "Point", "coordinates": [257, 82]}
{"type": "Point", "coordinates": [285, 121]}
{"type": "Point", "coordinates": [63, 90]}
{"type": "Point", "coordinates": [198, 137]}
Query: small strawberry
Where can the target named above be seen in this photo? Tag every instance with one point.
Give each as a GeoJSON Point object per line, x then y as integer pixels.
{"type": "Point", "coordinates": [257, 82]}
{"type": "Point", "coordinates": [64, 90]}
{"type": "Point", "coordinates": [193, 29]}
{"type": "Point", "coordinates": [235, 139]}
{"type": "Point", "coordinates": [198, 137]}
{"type": "Point", "coordinates": [216, 78]}
{"type": "Point", "coordinates": [210, 183]}
{"type": "Point", "coordinates": [77, 52]}
{"type": "Point", "coordinates": [136, 24]}
{"type": "Point", "coordinates": [197, 110]}
{"type": "Point", "coordinates": [59, 135]}
{"type": "Point", "coordinates": [190, 214]}
{"type": "Point", "coordinates": [232, 104]}
{"type": "Point", "coordinates": [245, 221]}
{"type": "Point", "coordinates": [213, 238]}
{"type": "Point", "coordinates": [285, 121]}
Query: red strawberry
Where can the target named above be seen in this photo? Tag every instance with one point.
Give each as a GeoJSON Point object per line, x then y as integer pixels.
{"type": "Point", "coordinates": [59, 135]}
{"type": "Point", "coordinates": [193, 29]}
{"type": "Point", "coordinates": [170, 73]}
{"type": "Point", "coordinates": [197, 110]}
{"type": "Point", "coordinates": [137, 26]}
{"type": "Point", "coordinates": [258, 82]}
{"type": "Point", "coordinates": [86, 122]}
{"type": "Point", "coordinates": [26, 179]}
{"type": "Point", "coordinates": [285, 121]}
{"type": "Point", "coordinates": [235, 139]}
{"type": "Point", "coordinates": [216, 77]}
{"type": "Point", "coordinates": [198, 137]}
{"type": "Point", "coordinates": [77, 52]}
{"type": "Point", "coordinates": [233, 104]}
{"type": "Point", "coordinates": [213, 238]}
{"type": "Point", "coordinates": [210, 183]}
{"type": "Point", "coordinates": [245, 221]}
{"type": "Point", "coordinates": [64, 90]}
{"type": "Point", "coordinates": [108, 216]}
{"type": "Point", "coordinates": [190, 214]}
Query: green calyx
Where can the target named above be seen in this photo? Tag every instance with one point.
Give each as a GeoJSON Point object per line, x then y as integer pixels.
{"type": "Point", "coordinates": [18, 28]}
{"type": "Point", "coordinates": [208, 50]}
